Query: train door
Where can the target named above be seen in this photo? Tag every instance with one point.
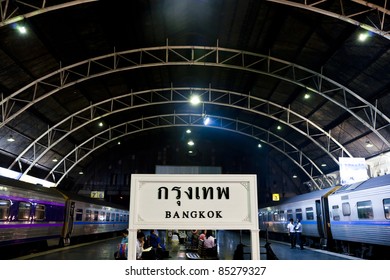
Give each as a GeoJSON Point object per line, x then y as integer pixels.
{"type": "Point", "coordinates": [68, 225]}
{"type": "Point", "coordinates": [320, 222]}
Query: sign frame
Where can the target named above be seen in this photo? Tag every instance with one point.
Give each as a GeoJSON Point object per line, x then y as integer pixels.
{"type": "Point", "coordinates": [190, 201]}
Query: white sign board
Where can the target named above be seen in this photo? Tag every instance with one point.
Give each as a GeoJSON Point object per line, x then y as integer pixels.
{"type": "Point", "coordinates": [189, 201]}
{"type": "Point", "coordinates": [352, 170]}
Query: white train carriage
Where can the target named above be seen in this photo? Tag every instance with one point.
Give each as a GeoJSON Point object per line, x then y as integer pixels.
{"type": "Point", "coordinates": [309, 208]}
{"type": "Point", "coordinates": [361, 212]}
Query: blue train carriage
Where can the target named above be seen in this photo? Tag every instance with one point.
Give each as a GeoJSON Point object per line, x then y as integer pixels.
{"type": "Point", "coordinates": [86, 216]}
{"type": "Point", "coordinates": [360, 213]}
{"type": "Point", "coordinates": [29, 214]}
{"type": "Point", "coordinates": [310, 208]}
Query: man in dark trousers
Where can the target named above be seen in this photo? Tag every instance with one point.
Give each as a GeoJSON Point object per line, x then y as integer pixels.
{"type": "Point", "coordinates": [291, 232]}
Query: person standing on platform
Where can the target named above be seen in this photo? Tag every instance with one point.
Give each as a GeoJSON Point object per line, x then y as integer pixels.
{"type": "Point", "coordinates": [291, 232]}
{"type": "Point", "coordinates": [298, 233]}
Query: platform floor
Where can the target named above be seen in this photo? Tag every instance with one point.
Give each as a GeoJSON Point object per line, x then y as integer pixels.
{"type": "Point", "coordinates": [105, 249]}
{"type": "Point", "coordinates": [283, 251]}
{"type": "Point", "coordinates": [227, 242]}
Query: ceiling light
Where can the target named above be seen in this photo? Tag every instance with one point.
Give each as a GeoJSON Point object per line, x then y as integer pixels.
{"type": "Point", "coordinates": [22, 29]}
{"type": "Point", "coordinates": [10, 139]}
{"type": "Point", "coordinates": [259, 145]}
{"type": "Point", "coordinates": [55, 159]}
{"type": "Point", "coordinates": [100, 124]}
{"type": "Point", "coordinates": [190, 143]}
{"type": "Point", "coordinates": [279, 127]}
{"type": "Point", "coordinates": [323, 165]}
{"type": "Point", "coordinates": [81, 172]}
{"type": "Point", "coordinates": [119, 142]}
{"type": "Point", "coordinates": [206, 121]}
{"type": "Point", "coordinates": [369, 144]}
{"type": "Point", "coordinates": [307, 96]}
{"type": "Point", "coordinates": [188, 131]}
{"type": "Point", "coordinates": [363, 36]}
{"type": "Point", "coordinates": [195, 99]}
{"type": "Point", "coordinates": [295, 176]}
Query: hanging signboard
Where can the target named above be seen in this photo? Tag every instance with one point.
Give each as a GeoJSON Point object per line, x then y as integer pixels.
{"type": "Point", "coordinates": [193, 201]}
{"type": "Point", "coordinates": [352, 170]}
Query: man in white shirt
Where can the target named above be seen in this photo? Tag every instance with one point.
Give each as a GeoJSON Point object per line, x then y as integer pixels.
{"type": "Point", "coordinates": [298, 233]}
{"type": "Point", "coordinates": [291, 232]}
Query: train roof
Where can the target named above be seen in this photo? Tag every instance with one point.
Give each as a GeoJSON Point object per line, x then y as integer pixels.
{"type": "Point", "coordinates": [4, 181]}
{"type": "Point", "coordinates": [369, 183]}
{"type": "Point", "coordinates": [302, 197]}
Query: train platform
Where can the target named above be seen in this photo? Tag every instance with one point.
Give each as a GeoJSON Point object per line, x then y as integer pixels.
{"type": "Point", "coordinates": [277, 250]}
{"type": "Point", "coordinates": [227, 240]}
{"type": "Point", "coordinates": [105, 249]}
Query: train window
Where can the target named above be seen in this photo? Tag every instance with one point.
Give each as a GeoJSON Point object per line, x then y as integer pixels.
{"type": "Point", "coordinates": [309, 213]}
{"type": "Point", "coordinates": [102, 216]}
{"type": "Point", "coordinates": [39, 212]}
{"type": "Point", "coordinates": [275, 215]}
{"type": "Point", "coordinates": [269, 216]}
{"type": "Point", "coordinates": [282, 216]}
{"type": "Point", "coordinates": [4, 209]}
{"type": "Point", "coordinates": [95, 215]}
{"type": "Point", "coordinates": [335, 213]}
{"type": "Point", "coordinates": [364, 209]}
{"type": "Point", "coordinates": [107, 216]}
{"type": "Point", "coordinates": [346, 208]}
{"type": "Point", "coordinates": [112, 217]}
{"type": "Point", "coordinates": [79, 214]}
{"type": "Point", "coordinates": [289, 215]}
{"type": "Point", "coordinates": [88, 215]}
{"type": "Point", "coordinates": [298, 213]}
{"type": "Point", "coordinates": [386, 207]}
{"type": "Point", "coordinates": [24, 211]}
{"type": "Point", "coordinates": [117, 217]}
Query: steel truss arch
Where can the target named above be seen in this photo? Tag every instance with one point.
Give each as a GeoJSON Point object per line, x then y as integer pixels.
{"type": "Point", "coordinates": [116, 132]}
{"type": "Point", "coordinates": [55, 134]}
{"type": "Point", "coordinates": [215, 56]}
{"type": "Point", "coordinates": [378, 25]}
{"type": "Point", "coordinates": [9, 9]}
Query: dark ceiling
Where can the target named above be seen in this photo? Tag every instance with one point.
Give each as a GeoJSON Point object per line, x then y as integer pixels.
{"type": "Point", "coordinates": [133, 65]}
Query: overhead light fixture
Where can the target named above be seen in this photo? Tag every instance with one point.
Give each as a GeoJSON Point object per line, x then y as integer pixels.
{"type": "Point", "coordinates": [188, 131]}
{"type": "Point", "coordinates": [323, 165]}
{"type": "Point", "coordinates": [195, 99]}
{"type": "Point", "coordinates": [306, 96]}
{"type": "Point", "coordinates": [22, 29]}
{"type": "Point", "coordinates": [100, 124]}
{"type": "Point", "coordinates": [259, 145]}
{"type": "Point", "coordinates": [295, 176]}
{"type": "Point", "coordinates": [11, 139]}
{"type": "Point", "coordinates": [81, 172]}
{"type": "Point", "coordinates": [363, 36]}
{"type": "Point", "coordinates": [369, 144]}
{"type": "Point", "coordinates": [190, 143]}
{"type": "Point", "coordinates": [206, 120]}
{"type": "Point", "coordinates": [55, 159]}
{"type": "Point", "coordinates": [279, 127]}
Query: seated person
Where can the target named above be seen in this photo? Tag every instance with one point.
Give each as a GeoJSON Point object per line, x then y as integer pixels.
{"type": "Point", "coordinates": [209, 240]}
{"type": "Point", "coordinates": [202, 236]}
{"type": "Point", "coordinates": [121, 254]}
{"type": "Point", "coordinates": [157, 245]}
{"type": "Point", "coordinates": [141, 252]}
